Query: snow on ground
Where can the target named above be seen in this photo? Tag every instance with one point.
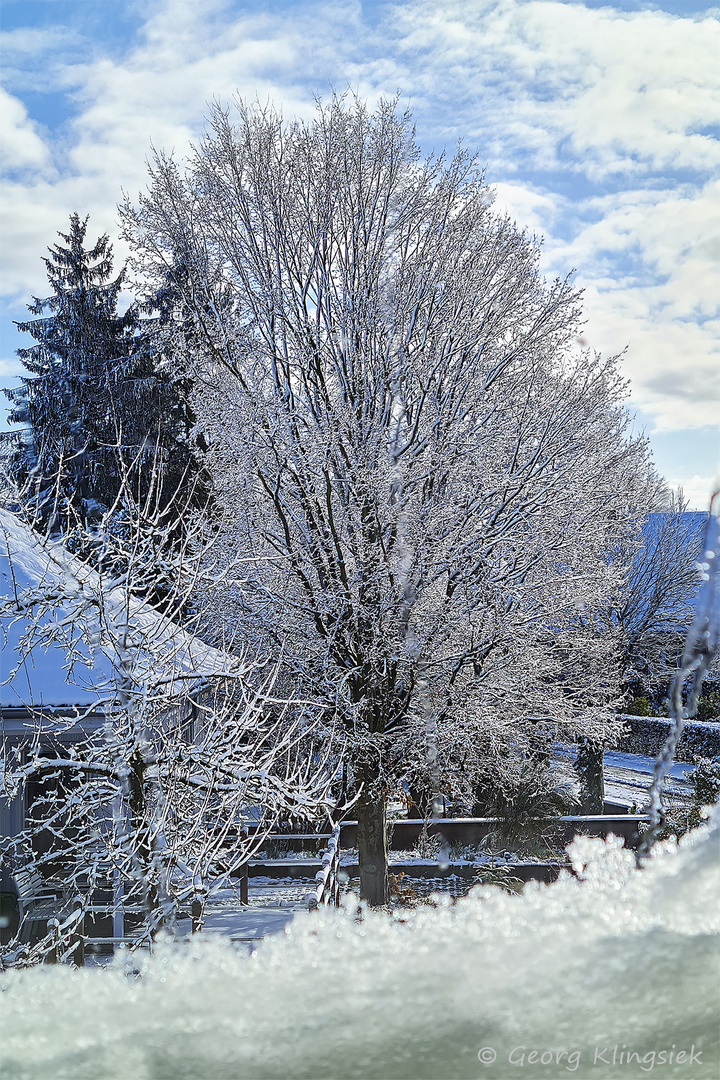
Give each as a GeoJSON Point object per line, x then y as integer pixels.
{"type": "Point", "coordinates": [271, 907]}
{"type": "Point", "coordinates": [639, 764]}
{"type": "Point", "coordinates": [627, 776]}
{"type": "Point", "coordinates": [617, 957]}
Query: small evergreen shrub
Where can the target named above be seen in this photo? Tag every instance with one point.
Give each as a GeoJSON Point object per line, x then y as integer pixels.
{"type": "Point", "coordinates": [709, 706]}
{"type": "Point", "coordinates": [640, 706]}
{"type": "Point", "coordinates": [705, 782]}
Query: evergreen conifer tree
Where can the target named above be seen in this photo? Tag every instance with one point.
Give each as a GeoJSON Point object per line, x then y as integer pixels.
{"type": "Point", "coordinates": [97, 400]}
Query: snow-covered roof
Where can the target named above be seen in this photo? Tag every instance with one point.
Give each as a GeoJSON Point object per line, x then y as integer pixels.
{"type": "Point", "coordinates": [45, 678]}
{"type": "Point", "coordinates": [689, 528]}
{"type": "Point", "coordinates": [691, 522]}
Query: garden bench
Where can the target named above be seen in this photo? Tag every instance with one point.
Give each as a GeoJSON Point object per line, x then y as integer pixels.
{"type": "Point", "coordinates": [39, 900]}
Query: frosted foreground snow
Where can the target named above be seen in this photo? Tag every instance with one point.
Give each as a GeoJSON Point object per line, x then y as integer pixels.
{"type": "Point", "coordinates": [621, 962]}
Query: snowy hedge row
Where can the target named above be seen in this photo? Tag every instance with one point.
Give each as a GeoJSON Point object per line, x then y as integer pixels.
{"type": "Point", "coordinates": [646, 734]}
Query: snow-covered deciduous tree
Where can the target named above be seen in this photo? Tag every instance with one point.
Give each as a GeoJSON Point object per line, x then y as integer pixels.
{"type": "Point", "coordinates": [95, 382]}
{"type": "Point", "coordinates": [426, 469]}
{"type": "Point", "coordinates": [146, 786]}
{"type": "Point", "coordinates": [656, 605]}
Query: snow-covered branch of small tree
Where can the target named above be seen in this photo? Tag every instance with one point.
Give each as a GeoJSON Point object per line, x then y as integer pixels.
{"type": "Point", "coordinates": [144, 771]}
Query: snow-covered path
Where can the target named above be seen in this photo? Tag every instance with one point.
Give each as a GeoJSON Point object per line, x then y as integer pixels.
{"type": "Point", "coordinates": [639, 764]}
{"type": "Point", "coordinates": [272, 905]}
{"type": "Point", "coordinates": [627, 777]}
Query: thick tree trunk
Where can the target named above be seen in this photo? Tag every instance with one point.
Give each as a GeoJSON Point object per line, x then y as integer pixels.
{"type": "Point", "coordinates": [372, 852]}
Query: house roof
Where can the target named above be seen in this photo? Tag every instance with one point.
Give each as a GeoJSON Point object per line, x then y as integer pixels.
{"type": "Point", "coordinates": [691, 523]}
{"type": "Point", "coordinates": [29, 565]}
{"type": "Point", "coordinates": [688, 533]}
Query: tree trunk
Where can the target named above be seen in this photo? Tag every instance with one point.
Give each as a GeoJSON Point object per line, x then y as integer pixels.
{"type": "Point", "coordinates": [142, 843]}
{"type": "Point", "coordinates": [372, 852]}
{"type": "Point", "coordinates": [589, 765]}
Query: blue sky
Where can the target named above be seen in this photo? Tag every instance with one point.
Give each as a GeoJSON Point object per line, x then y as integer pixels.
{"type": "Point", "coordinates": [599, 124]}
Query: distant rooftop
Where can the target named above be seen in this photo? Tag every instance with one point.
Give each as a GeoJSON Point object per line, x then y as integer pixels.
{"type": "Point", "coordinates": [44, 679]}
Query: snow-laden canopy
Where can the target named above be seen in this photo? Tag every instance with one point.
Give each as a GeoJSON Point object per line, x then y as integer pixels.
{"type": "Point", "coordinates": [51, 599]}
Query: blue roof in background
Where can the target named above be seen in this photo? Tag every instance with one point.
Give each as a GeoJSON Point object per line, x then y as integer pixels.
{"type": "Point", "coordinates": [693, 521]}
{"type": "Point", "coordinates": [690, 530]}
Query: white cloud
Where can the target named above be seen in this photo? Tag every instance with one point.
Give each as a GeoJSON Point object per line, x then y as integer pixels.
{"type": "Point", "coordinates": [21, 146]}
{"type": "Point", "coordinates": [552, 83]}
{"type": "Point", "coordinates": [673, 365]}
{"type": "Point", "coordinates": [530, 209]}
{"type": "Point", "coordinates": [31, 41]}
{"type": "Point", "coordinates": [621, 101]}
{"type": "Point", "coordinates": [553, 94]}
{"type": "Point", "coordinates": [10, 369]}
{"type": "Point", "coordinates": [159, 91]}
{"type": "Point", "coordinates": [696, 489]}
{"type": "Point", "coordinates": [649, 263]}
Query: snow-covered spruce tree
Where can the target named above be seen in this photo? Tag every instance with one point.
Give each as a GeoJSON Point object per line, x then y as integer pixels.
{"type": "Point", "coordinates": [168, 335]}
{"type": "Point", "coordinates": [427, 472]}
{"type": "Point", "coordinates": [95, 383]}
{"type": "Point", "coordinates": [145, 786]}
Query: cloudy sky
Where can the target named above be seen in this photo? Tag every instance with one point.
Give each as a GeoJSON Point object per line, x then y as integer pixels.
{"type": "Point", "coordinates": [599, 124]}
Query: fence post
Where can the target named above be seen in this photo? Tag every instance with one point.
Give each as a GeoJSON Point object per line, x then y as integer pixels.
{"type": "Point", "coordinates": [79, 953]}
{"type": "Point", "coordinates": [118, 908]}
{"type": "Point", "coordinates": [327, 888]}
{"type": "Point", "coordinates": [53, 956]}
{"type": "Point", "coordinates": [196, 916]}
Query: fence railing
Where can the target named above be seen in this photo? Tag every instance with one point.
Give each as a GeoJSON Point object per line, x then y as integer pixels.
{"type": "Point", "coordinates": [327, 887]}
